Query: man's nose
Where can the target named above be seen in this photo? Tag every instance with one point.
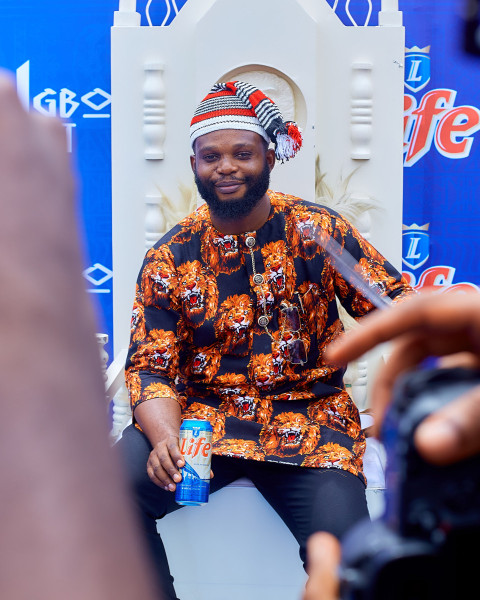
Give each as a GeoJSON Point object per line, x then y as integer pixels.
{"type": "Point", "coordinates": [226, 165]}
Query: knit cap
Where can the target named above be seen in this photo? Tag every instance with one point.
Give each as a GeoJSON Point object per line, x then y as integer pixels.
{"type": "Point", "coordinates": [239, 105]}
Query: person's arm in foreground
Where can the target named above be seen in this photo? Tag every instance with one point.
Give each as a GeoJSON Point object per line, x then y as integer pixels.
{"type": "Point", "coordinates": [67, 529]}
{"type": "Point", "coordinates": [422, 326]}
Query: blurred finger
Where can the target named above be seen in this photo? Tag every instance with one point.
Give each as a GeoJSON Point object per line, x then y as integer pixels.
{"type": "Point", "coordinates": [323, 555]}
{"type": "Point", "coordinates": [460, 359]}
{"type": "Point", "coordinates": [407, 353]}
{"type": "Point", "coordinates": [431, 314]}
{"type": "Point", "coordinates": [452, 433]}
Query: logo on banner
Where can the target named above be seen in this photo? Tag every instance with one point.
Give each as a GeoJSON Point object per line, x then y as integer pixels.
{"type": "Point", "coordinates": [416, 245]}
{"type": "Point", "coordinates": [434, 120]}
{"type": "Point", "coordinates": [97, 275]}
{"type": "Point", "coordinates": [438, 278]}
{"type": "Point", "coordinates": [417, 68]}
{"type": "Point", "coordinates": [416, 252]}
{"type": "Point", "coordinates": [63, 103]}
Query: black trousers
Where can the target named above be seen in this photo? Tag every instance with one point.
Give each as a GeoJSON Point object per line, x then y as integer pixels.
{"type": "Point", "coordinates": [307, 500]}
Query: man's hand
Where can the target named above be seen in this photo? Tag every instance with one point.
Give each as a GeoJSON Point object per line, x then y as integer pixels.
{"type": "Point", "coordinates": [164, 461]}
{"type": "Point", "coordinates": [160, 419]}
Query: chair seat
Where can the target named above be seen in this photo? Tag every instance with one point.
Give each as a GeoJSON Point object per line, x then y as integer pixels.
{"type": "Point", "coordinates": [237, 547]}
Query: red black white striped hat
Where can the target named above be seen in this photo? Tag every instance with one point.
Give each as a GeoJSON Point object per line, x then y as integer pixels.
{"type": "Point", "coordinates": [239, 105]}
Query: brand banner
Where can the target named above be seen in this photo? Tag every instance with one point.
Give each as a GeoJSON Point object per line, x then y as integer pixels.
{"type": "Point", "coordinates": [441, 224]}
{"type": "Point", "coordinates": [60, 56]}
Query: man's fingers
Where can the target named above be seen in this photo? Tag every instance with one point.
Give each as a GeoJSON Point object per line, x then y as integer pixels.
{"type": "Point", "coordinates": [176, 455]}
{"type": "Point", "coordinates": [453, 432]}
{"type": "Point", "coordinates": [161, 467]}
{"type": "Point", "coordinates": [158, 475]}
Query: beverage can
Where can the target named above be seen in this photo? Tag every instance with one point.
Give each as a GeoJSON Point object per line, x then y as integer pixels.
{"type": "Point", "coordinates": [196, 448]}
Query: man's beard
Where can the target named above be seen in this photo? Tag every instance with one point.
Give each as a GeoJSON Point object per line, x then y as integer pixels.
{"type": "Point", "coordinates": [240, 207]}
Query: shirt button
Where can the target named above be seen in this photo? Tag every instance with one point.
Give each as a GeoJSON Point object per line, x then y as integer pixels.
{"type": "Point", "coordinates": [250, 241]}
{"type": "Point", "coordinates": [263, 321]}
{"type": "Point", "coordinates": [257, 279]}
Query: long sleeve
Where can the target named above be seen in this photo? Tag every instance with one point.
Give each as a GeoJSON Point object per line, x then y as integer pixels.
{"type": "Point", "coordinates": [374, 269]}
{"type": "Point", "coordinates": [152, 361]}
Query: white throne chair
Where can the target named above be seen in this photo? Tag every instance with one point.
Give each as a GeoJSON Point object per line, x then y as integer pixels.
{"type": "Point", "coordinates": [344, 86]}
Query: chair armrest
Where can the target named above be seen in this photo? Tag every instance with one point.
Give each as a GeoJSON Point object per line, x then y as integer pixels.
{"type": "Point", "coordinates": [116, 374]}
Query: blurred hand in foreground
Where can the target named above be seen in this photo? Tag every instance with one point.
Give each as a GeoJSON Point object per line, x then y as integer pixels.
{"type": "Point", "coordinates": [67, 528]}
{"type": "Point", "coordinates": [430, 324]}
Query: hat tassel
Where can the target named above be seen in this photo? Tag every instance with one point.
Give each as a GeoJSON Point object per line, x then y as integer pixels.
{"type": "Point", "coordinates": [288, 141]}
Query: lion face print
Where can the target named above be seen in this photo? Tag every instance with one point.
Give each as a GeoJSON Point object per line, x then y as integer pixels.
{"type": "Point", "coordinates": [239, 449]}
{"type": "Point", "coordinates": [203, 364]}
{"type": "Point", "coordinates": [377, 278]}
{"type": "Point", "coordinates": [330, 334]}
{"type": "Point", "coordinates": [231, 383]}
{"type": "Point", "coordinates": [163, 351]}
{"type": "Point", "coordinates": [134, 387]}
{"type": "Point", "coordinates": [278, 268]}
{"type": "Point", "coordinates": [197, 291]}
{"type": "Point", "coordinates": [158, 276]}
{"type": "Point", "coordinates": [248, 407]}
{"type": "Point", "coordinates": [158, 390]}
{"type": "Point", "coordinates": [235, 317]}
{"type": "Point", "coordinates": [137, 324]}
{"type": "Point", "coordinates": [262, 371]}
{"type": "Point", "coordinates": [303, 236]}
{"type": "Point", "coordinates": [159, 352]}
{"type": "Point", "coordinates": [307, 229]}
{"type": "Point", "coordinates": [330, 456]}
{"type": "Point", "coordinates": [220, 252]}
{"type": "Point", "coordinates": [359, 448]}
{"type": "Point", "coordinates": [278, 356]}
{"type": "Point", "coordinates": [337, 412]}
{"type": "Point", "coordinates": [289, 434]}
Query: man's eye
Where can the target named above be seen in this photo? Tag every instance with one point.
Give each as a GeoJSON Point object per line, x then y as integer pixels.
{"type": "Point", "coordinates": [244, 155]}
{"type": "Point", "coordinates": [209, 157]}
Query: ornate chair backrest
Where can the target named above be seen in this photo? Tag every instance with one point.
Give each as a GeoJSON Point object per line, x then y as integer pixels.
{"type": "Point", "coordinates": [342, 84]}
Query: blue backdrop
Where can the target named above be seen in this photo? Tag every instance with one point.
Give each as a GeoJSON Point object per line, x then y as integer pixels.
{"type": "Point", "coordinates": [60, 56]}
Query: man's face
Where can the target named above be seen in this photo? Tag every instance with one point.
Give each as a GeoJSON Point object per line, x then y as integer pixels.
{"type": "Point", "coordinates": [232, 171]}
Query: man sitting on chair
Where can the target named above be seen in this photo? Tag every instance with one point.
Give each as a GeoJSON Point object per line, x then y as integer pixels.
{"type": "Point", "coordinates": [233, 310]}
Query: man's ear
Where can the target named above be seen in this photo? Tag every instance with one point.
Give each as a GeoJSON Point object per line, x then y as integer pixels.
{"type": "Point", "coordinates": [193, 162]}
{"type": "Point", "coordinates": [270, 156]}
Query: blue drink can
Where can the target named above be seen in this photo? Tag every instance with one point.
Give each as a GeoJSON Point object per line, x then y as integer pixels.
{"type": "Point", "coordinates": [196, 448]}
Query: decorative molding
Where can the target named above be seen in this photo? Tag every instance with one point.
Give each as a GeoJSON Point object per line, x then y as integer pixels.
{"type": "Point", "coordinates": [126, 15]}
{"type": "Point", "coordinates": [389, 15]}
{"type": "Point", "coordinates": [155, 222]}
{"type": "Point", "coordinates": [102, 339]}
{"type": "Point", "coordinates": [116, 393]}
{"type": "Point", "coordinates": [154, 128]}
{"type": "Point", "coordinates": [121, 413]}
{"type": "Point", "coordinates": [361, 111]}
{"type": "Point", "coordinates": [349, 15]}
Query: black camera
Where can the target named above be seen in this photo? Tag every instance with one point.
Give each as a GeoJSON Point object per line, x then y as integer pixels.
{"type": "Point", "coordinates": [426, 546]}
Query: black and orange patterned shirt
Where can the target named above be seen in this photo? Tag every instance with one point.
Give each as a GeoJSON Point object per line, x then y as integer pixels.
{"type": "Point", "coordinates": [196, 335]}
